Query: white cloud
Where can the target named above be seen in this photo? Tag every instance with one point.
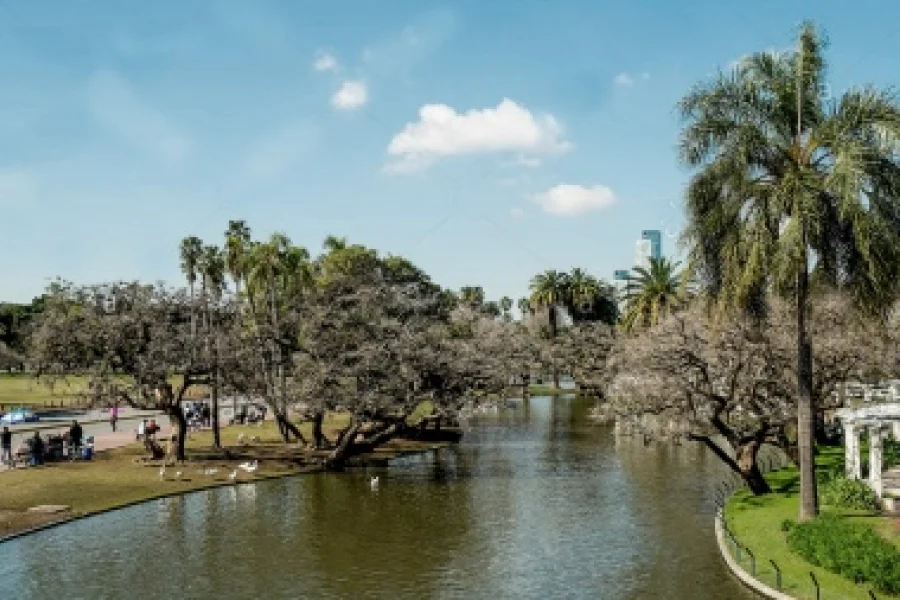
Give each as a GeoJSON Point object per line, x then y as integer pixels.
{"type": "Point", "coordinates": [17, 186]}
{"type": "Point", "coordinates": [623, 80]}
{"type": "Point", "coordinates": [325, 61]}
{"type": "Point", "coordinates": [627, 80]}
{"type": "Point", "coordinates": [351, 95]}
{"type": "Point", "coordinates": [521, 160]}
{"type": "Point", "coordinates": [569, 200]}
{"type": "Point", "coordinates": [441, 131]}
{"type": "Point", "coordinates": [115, 106]}
{"type": "Point", "coordinates": [516, 213]}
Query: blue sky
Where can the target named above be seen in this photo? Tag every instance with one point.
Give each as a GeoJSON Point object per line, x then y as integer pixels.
{"type": "Point", "coordinates": [485, 141]}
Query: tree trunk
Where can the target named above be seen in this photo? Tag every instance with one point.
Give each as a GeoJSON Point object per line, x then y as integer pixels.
{"type": "Point", "coordinates": [551, 315]}
{"type": "Point", "coordinates": [748, 468]}
{"type": "Point", "coordinates": [179, 430]}
{"type": "Point", "coordinates": [339, 455]}
{"type": "Point", "coordinates": [287, 428]}
{"type": "Point", "coordinates": [319, 437]}
{"type": "Point", "coordinates": [805, 410]}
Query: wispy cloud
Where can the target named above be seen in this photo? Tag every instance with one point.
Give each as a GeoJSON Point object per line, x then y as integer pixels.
{"type": "Point", "coordinates": [627, 80]}
{"type": "Point", "coordinates": [351, 95]}
{"type": "Point", "coordinates": [115, 106]}
{"type": "Point", "coordinates": [280, 150]}
{"type": "Point", "coordinates": [516, 213]}
{"type": "Point", "coordinates": [325, 61]}
{"type": "Point", "coordinates": [398, 54]}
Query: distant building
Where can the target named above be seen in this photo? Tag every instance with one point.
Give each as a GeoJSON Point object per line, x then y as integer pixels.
{"type": "Point", "coordinates": [649, 246]}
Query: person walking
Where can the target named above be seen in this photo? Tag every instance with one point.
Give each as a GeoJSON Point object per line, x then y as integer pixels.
{"type": "Point", "coordinates": [113, 417]}
{"type": "Point", "coordinates": [6, 446]}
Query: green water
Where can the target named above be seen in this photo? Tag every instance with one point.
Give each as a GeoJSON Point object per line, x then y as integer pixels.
{"type": "Point", "coordinates": [535, 503]}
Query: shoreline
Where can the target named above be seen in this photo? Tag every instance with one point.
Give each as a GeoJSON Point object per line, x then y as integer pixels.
{"type": "Point", "coordinates": [119, 478]}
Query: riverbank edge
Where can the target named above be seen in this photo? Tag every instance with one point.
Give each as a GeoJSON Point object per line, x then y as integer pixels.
{"type": "Point", "coordinates": [748, 580]}
{"type": "Point", "coordinates": [362, 461]}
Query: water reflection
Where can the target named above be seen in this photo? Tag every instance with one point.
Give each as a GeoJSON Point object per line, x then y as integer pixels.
{"type": "Point", "coordinates": [536, 503]}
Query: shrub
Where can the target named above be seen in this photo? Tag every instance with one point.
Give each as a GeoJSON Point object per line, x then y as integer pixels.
{"type": "Point", "coordinates": [841, 492]}
{"type": "Point", "coordinates": [852, 550]}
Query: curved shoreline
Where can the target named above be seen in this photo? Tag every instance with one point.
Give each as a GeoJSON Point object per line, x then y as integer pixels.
{"type": "Point", "coordinates": [309, 470]}
{"type": "Point", "coordinates": [744, 577]}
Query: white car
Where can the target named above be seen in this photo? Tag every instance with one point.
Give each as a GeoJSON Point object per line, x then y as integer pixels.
{"type": "Point", "coordinates": [19, 415]}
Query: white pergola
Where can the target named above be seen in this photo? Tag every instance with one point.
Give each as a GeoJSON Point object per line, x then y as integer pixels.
{"type": "Point", "coordinates": [879, 420]}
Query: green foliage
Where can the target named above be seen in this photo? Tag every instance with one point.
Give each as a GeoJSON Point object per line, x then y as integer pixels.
{"type": "Point", "coordinates": [852, 550]}
{"type": "Point", "coordinates": [841, 492]}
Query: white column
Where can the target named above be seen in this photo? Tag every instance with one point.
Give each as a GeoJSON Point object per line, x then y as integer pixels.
{"type": "Point", "coordinates": [875, 459]}
{"type": "Point", "coordinates": [852, 466]}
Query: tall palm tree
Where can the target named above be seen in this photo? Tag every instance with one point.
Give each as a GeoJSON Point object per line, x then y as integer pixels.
{"type": "Point", "coordinates": [792, 183]}
{"type": "Point", "coordinates": [191, 251]}
{"type": "Point", "coordinates": [590, 299]}
{"type": "Point", "coordinates": [524, 306]}
{"type": "Point", "coordinates": [472, 295]}
{"type": "Point", "coordinates": [550, 290]}
{"type": "Point", "coordinates": [212, 271]}
{"type": "Point", "coordinates": [237, 245]}
{"type": "Point", "coordinates": [652, 293]}
{"type": "Point", "coordinates": [506, 305]}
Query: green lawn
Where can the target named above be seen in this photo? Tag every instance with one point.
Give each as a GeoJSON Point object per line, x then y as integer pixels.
{"type": "Point", "coordinates": [756, 523]}
{"type": "Point", "coordinates": [24, 390]}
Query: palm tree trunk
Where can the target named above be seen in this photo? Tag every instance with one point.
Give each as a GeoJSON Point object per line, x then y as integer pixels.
{"type": "Point", "coordinates": [805, 410]}
{"type": "Point", "coordinates": [554, 326]}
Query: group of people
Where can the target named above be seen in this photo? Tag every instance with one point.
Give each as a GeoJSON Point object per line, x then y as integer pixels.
{"type": "Point", "coordinates": [198, 414]}
{"type": "Point", "coordinates": [73, 442]}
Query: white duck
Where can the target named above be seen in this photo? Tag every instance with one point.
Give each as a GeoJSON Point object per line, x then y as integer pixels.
{"type": "Point", "coordinates": [162, 473]}
{"type": "Point", "coordinates": [249, 467]}
{"type": "Point", "coordinates": [233, 475]}
{"type": "Point", "coordinates": [374, 483]}
{"type": "Point", "coordinates": [210, 472]}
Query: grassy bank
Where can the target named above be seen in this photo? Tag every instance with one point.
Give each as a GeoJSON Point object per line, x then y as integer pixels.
{"type": "Point", "coordinates": [756, 523]}
{"type": "Point", "coordinates": [23, 389]}
{"type": "Point", "coordinates": [120, 477]}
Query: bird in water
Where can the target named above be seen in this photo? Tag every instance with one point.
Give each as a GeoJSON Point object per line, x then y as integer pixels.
{"type": "Point", "coordinates": [374, 483]}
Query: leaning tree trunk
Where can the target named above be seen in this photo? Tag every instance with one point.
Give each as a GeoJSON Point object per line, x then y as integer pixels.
{"type": "Point", "coordinates": [748, 468]}
{"type": "Point", "coordinates": [805, 409]}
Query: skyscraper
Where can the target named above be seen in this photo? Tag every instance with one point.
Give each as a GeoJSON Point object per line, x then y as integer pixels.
{"type": "Point", "coordinates": [649, 246]}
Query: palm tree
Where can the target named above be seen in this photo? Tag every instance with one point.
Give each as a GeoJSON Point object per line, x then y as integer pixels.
{"type": "Point", "coordinates": [653, 293]}
{"type": "Point", "coordinates": [506, 305]}
{"type": "Point", "coordinates": [550, 290]}
{"type": "Point", "coordinates": [237, 245]}
{"type": "Point", "coordinates": [590, 299]}
{"type": "Point", "coordinates": [212, 271]}
{"type": "Point", "coordinates": [191, 251]}
{"type": "Point", "coordinates": [524, 305]}
{"type": "Point", "coordinates": [792, 183]}
{"type": "Point", "coordinates": [473, 296]}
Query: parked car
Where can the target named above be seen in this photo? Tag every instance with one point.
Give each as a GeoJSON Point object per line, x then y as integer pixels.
{"type": "Point", "coordinates": [19, 415]}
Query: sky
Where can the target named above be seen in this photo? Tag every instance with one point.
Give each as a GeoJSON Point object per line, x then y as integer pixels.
{"type": "Point", "coordinates": [484, 141]}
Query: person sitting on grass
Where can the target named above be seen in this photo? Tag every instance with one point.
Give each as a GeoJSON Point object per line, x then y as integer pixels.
{"type": "Point", "coordinates": [75, 437]}
{"type": "Point", "coordinates": [37, 450]}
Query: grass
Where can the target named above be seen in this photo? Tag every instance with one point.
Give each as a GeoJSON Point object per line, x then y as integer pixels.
{"type": "Point", "coordinates": [24, 390]}
{"type": "Point", "coordinates": [756, 522]}
{"type": "Point", "coordinates": [121, 476]}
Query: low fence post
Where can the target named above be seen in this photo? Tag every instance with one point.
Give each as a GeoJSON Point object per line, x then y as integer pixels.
{"type": "Point", "coordinates": [777, 575]}
{"type": "Point", "coordinates": [815, 583]}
